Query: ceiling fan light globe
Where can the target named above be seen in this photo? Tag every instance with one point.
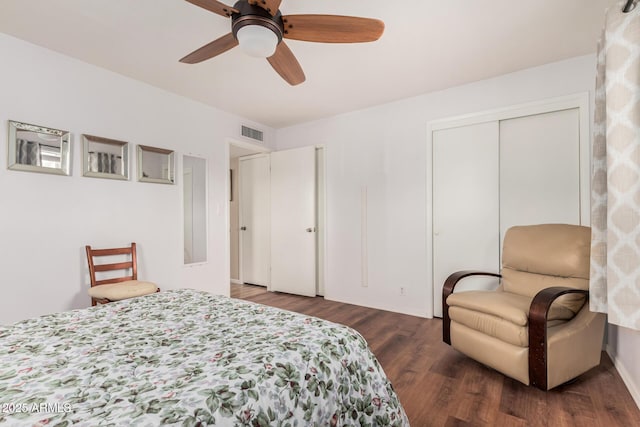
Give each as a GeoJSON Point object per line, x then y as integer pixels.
{"type": "Point", "coordinates": [257, 41]}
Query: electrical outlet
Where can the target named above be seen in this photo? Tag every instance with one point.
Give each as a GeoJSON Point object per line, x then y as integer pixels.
{"type": "Point", "coordinates": [403, 290]}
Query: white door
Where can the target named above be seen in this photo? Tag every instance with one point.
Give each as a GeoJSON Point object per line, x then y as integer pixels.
{"type": "Point", "coordinates": [540, 169]}
{"type": "Point", "coordinates": [465, 205]}
{"type": "Point", "coordinates": [255, 227]}
{"type": "Point", "coordinates": [293, 221]}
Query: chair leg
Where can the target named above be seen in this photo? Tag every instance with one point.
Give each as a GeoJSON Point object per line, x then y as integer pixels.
{"type": "Point", "coordinates": [96, 301]}
{"type": "Point", "coordinates": [446, 324]}
{"type": "Point", "coordinates": [538, 332]}
{"type": "Point", "coordinates": [538, 355]}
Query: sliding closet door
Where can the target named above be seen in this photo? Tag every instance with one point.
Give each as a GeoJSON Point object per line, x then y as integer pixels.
{"type": "Point", "coordinates": [539, 169]}
{"type": "Point", "coordinates": [493, 170]}
{"type": "Point", "coordinates": [465, 205]}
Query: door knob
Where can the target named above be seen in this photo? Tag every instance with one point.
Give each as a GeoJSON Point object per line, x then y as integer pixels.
{"type": "Point", "coordinates": [311, 229]}
{"type": "Point", "coordinates": [243, 228]}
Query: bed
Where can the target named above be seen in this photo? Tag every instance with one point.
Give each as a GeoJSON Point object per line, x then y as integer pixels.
{"type": "Point", "coordinates": [187, 357]}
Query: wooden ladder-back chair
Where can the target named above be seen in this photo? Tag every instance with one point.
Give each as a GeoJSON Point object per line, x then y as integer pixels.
{"type": "Point", "coordinates": [119, 287]}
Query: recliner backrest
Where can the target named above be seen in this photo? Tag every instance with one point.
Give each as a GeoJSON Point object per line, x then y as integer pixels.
{"type": "Point", "coordinates": [535, 257]}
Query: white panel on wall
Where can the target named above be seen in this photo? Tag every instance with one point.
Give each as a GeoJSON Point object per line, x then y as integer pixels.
{"type": "Point", "coordinates": [194, 172]}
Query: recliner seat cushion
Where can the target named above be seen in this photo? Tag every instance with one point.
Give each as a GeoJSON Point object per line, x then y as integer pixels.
{"type": "Point", "coordinates": [502, 315]}
{"type": "Point", "coordinates": [529, 284]}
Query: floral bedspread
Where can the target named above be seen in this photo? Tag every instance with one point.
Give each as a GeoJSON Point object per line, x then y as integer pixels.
{"type": "Point", "coordinates": [190, 358]}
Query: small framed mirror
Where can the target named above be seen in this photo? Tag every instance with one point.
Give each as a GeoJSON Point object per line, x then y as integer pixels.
{"type": "Point", "coordinates": [156, 165]}
{"type": "Point", "coordinates": [105, 158]}
{"type": "Point", "coordinates": [36, 148]}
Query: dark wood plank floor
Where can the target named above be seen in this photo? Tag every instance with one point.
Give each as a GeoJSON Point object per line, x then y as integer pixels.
{"type": "Point", "coordinates": [440, 387]}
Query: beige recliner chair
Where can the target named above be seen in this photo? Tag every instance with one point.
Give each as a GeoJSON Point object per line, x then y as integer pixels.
{"type": "Point", "coordinates": [536, 327]}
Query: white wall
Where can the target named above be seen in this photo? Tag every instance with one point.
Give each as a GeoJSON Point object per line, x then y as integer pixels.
{"type": "Point", "coordinates": [624, 348]}
{"type": "Point", "coordinates": [46, 220]}
{"type": "Point", "coordinates": [385, 150]}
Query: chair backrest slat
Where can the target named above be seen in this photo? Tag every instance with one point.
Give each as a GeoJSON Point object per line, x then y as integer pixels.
{"type": "Point", "coordinates": [109, 252]}
{"type": "Point", "coordinates": [117, 266]}
{"type": "Point", "coordinates": [114, 280]}
{"type": "Point", "coordinates": [123, 265]}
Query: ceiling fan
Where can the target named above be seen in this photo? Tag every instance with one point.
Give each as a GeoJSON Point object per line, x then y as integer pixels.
{"type": "Point", "coordinates": [259, 28]}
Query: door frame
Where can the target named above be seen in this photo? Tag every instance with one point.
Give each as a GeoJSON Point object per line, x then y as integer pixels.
{"type": "Point", "coordinates": [323, 194]}
{"type": "Point", "coordinates": [256, 149]}
{"type": "Point", "coordinates": [321, 222]}
{"type": "Point", "coordinates": [578, 100]}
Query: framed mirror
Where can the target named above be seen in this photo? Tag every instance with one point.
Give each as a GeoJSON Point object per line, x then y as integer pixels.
{"type": "Point", "coordinates": [194, 185]}
{"type": "Point", "coordinates": [155, 165]}
{"type": "Point", "coordinates": [105, 158]}
{"type": "Point", "coordinates": [36, 148]}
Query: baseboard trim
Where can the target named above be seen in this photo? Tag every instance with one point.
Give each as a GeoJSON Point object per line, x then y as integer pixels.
{"type": "Point", "coordinates": [236, 282]}
{"type": "Point", "coordinates": [376, 307]}
{"type": "Point", "coordinates": [626, 378]}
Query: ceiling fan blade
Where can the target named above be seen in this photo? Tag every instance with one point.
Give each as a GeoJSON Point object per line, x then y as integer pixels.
{"type": "Point", "coordinates": [332, 28]}
{"type": "Point", "coordinates": [215, 7]}
{"type": "Point", "coordinates": [270, 6]}
{"type": "Point", "coordinates": [212, 49]}
{"type": "Point", "coordinates": [286, 64]}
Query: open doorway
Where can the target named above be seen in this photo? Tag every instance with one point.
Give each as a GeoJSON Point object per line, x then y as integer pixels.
{"type": "Point", "coordinates": [237, 149]}
{"type": "Point", "coordinates": [256, 255]}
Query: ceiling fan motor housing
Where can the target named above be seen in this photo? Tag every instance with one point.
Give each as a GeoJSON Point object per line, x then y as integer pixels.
{"type": "Point", "coordinates": [255, 15]}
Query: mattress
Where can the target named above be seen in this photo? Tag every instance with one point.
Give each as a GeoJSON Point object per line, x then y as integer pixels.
{"type": "Point", "coordinates": [187, 357]}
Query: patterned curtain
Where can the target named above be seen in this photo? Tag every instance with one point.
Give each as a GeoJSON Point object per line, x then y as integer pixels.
{"type": "Point", "coordinates": [615, 178]}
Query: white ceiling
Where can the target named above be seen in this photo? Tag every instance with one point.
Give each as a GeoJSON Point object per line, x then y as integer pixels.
{"type": "Point", "coordinates": [428, 45]}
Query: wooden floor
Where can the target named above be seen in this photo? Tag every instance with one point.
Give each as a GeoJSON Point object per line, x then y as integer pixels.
{"type": "Point", "coordinates": [440, 387]}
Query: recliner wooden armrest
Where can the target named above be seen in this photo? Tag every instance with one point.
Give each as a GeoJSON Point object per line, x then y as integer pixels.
{"type": "Point", "coordinates": [447, 289]}
{"type": "Point", "coordinates": [538, 312]}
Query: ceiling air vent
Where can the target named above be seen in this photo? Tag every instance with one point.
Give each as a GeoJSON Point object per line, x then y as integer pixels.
{"type": "Point", "coordinates": [254, 134]}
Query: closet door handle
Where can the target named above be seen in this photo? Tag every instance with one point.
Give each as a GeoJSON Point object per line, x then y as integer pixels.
{"type": "Point", "coordinates": [311, 229]}
{"type": "Point", "coordinates": [243, 228]}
